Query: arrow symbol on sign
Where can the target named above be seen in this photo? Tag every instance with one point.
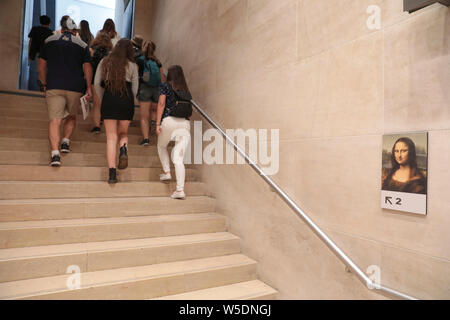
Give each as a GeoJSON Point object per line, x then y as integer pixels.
{"type": "Point", "coordinates": [388, 200]}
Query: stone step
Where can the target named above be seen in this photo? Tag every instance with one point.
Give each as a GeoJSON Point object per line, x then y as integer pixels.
{"type": "Point", "coordinates": [23, 97]}
{"type": "Point", "coordinates": [24, 106]}
{"type": "Point", "coordinates": [143, 282]}
{"type": "Point", "coordinates": [37, 262]}
{"type": "Point", "coordinates": [83, 208]}
{"type": "Point", "coordinates": [51, 232]}
{"type": "Point", "coordinates": [42, 145]}
{"type": "Point", "coordinates": [89, 189]}
{"type": "Point", "coordinates": [85, 126]}
{"type": "Point", "coordinates": [23, 103]}
{"type": "Point", "coordinates": [248, 290]}
{"type": "Point", "coordinates": [33, 104]}
{"type": "Point", "coordinates": [76, 159]}
{"type": "Point", "coordinates": [43, 115]}
{"type": "Point", "coordinates": [65, 173]}
{"type": "Point", "coordinates": [42, 108]}
{"type": "Point", "coordinates": [25, 114]}
{"type": "Point", "coordinates": [76, 136]}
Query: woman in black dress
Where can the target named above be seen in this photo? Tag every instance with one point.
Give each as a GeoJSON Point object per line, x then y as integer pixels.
{"type": "Point", "coordinates": [117, 83]}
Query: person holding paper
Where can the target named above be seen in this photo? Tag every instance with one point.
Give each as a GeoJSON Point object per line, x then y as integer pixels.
{"type": "Point", "coordinates": [65, 74]}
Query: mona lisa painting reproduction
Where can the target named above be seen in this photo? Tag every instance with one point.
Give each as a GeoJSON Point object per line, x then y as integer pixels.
{"type": "Point", "coordinates": [404, 172]}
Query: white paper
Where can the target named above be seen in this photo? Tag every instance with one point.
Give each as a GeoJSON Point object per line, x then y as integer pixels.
{"type": "Point", "coordinates": [85, 107]}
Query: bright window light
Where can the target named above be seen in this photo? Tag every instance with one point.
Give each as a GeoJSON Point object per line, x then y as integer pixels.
{"type": "Point", "coordinates": [111, 4]}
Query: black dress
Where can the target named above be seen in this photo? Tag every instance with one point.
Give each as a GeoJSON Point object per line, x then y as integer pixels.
{"type": "Point", "coordinates": [116, 107]}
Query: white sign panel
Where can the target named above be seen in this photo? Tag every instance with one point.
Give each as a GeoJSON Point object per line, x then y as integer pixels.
{"type": "Point", "coordinates": [405, 172]}
{"type": "Point", "coordinates": [401, 201]}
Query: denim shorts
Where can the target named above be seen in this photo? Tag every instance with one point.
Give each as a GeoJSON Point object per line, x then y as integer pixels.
{"type": "Point", "coordinates": [148, 93]}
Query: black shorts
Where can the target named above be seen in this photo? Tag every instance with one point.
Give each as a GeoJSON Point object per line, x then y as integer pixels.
{"type": "Point", "coordinates": [148, 93]}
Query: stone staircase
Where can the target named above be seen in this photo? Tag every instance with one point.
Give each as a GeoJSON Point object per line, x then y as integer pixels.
{"type": "Point", "coordinates": [130, 240]}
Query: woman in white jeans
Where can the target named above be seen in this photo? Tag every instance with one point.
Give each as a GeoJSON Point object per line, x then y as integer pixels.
{"type": "Point", "coordinates": [170, 128]}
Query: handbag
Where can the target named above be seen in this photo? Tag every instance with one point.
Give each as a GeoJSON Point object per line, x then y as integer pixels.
{"type": "Point", "coordinates": [183, 105]}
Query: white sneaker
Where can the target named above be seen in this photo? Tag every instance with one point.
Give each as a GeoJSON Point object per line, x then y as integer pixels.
{"type": "Point", "coordinates": [165, 177]}
{"type": "Point", "coordinates": [178, 195]}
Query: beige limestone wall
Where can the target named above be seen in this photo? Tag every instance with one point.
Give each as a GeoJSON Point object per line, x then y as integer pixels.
{"type": "Point", "coordinates": [10, 39]}
{"type": "Point", "coordinates": [143, 18]}
{"type": "Point", "coordinates": [333, 87]}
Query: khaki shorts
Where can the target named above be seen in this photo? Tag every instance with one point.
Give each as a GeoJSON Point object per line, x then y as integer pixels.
{"type": "Point", "coordinates": [62, 103]}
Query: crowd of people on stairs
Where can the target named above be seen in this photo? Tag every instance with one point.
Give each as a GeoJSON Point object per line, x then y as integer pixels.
{"type": "Point", "coordinates": [116, 74]}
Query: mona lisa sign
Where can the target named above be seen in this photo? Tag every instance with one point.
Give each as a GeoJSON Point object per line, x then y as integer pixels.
{"type": "Point", "coordinates": [404, 172]}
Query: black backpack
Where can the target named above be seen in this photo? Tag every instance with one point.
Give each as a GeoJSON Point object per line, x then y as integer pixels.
{"type": "Point", "coordinates": [183, 105]}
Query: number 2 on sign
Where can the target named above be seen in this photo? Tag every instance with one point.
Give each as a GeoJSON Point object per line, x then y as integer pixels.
{"type": "Point", "coordinates": [398, 200]}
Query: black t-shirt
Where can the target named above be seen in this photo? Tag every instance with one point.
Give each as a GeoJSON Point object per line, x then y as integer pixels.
{"type": "Point", "coordinates": [38, 36]}
{"type": "Point", "coordinates": [65, 55]}
{"type": "Point", "coordinates": [166, 89]}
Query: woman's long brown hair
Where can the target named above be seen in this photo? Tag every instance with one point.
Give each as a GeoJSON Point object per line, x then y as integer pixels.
{"type": "Point", "coordinates": [115, 67]}
{"type": "Point", "coordinates": [102, 40]}
{"type": "Point", "coordinates": [110, 28]}
{"type": "Point", "coordinates": [85, 32]}
{"type": "Point", "coordinates": [175, 76]}
{"type": "Point", "coordinates": [149, 52]}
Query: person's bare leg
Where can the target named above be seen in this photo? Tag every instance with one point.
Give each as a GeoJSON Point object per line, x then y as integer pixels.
{"type": "Point", "coordinates": [145, 115]}
{"type": "Point", "coordinates": [96, 110]}
{"type": "Point", "coordinates": [54, 133]}
{"type": "Point", "coordinates": [153, 108]}
{"type": "Point", "coordinates": [123, 132]}
{"type": "Point", "coordinates": [111, 142]}
{"type": "Point", "coordinates": [69, 126]}
{"type": "Point", "coordinates": [123, 143]}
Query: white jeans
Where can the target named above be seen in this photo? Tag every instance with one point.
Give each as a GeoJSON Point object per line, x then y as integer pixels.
{"type": "Point", "coordinates": [177, 129]}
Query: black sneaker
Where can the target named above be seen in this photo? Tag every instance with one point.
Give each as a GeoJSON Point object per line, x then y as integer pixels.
{"type": "Point", "coordinates": [145, 142]}
{"type": "Point", "coordinates": [56, 161]}
{"type": "Point", "coordinates": [112, 176]}
{"type": "Point", "coordinates": [96, 130]}
{"type": "Point", "coordinates": [65, 147]}
{"type": "Point", "coordinates": [123, 158]}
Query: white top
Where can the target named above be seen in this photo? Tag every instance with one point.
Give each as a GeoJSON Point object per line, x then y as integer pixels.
{"type": "Point", "coordinates": [115, 40]}
{"type": "Point", "coordinates": [132, 75]}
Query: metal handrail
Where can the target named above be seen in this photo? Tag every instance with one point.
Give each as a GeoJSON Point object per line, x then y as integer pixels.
{"type": "Point", "coordinates": [333, 246]}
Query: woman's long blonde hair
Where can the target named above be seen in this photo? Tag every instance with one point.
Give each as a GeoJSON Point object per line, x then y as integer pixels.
{"type": "Point", "coordinates": [115, 67]}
